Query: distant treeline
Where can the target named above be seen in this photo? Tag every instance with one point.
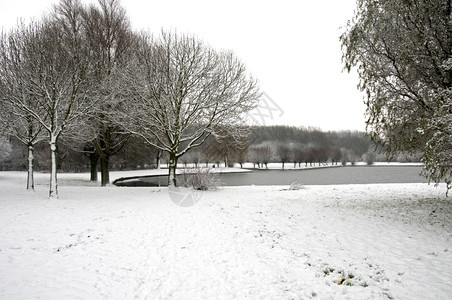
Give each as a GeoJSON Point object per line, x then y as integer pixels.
{"type": "Point", "coordinates": [135, 154]}
{"type": "Point", "coordinates": [354, 140]}
{"type": "Point", "coordinates": [264, 144]}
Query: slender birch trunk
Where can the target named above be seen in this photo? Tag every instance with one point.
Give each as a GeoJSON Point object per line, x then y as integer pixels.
{"type": "Point", "coordinates": [53, 191]}
{"type": "Point", "coordinates": [30, 179]}
{"type": "Point", "coordinates": [158, 159]}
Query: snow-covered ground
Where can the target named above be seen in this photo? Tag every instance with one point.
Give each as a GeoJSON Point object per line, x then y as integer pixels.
{"type": "Point", "coordinates": [322, 242]}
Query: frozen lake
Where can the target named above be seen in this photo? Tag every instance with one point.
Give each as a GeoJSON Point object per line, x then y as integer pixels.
{"type": "Point", "coordinates": [321, 176]}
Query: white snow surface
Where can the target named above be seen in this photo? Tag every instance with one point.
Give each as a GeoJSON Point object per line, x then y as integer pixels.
{"type": "Point", "coordinates": [321, 242]}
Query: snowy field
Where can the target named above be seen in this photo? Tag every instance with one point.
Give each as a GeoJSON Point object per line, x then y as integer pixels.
{"type": "Point", "coordinates": [389, 241]}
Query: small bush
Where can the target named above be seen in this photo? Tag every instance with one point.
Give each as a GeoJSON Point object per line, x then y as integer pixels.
{"type": "Point", "coordinates": [295, 186]}
{"type": "Point", "coordinates": [201, 179]}
{"type": "Point", "coordinates": [369, 158]}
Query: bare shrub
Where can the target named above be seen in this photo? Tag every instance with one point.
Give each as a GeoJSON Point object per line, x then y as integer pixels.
{"type": "Point", "coordinates": [202, 179]}
{"type": "Point", "coordinates": [295, 186]}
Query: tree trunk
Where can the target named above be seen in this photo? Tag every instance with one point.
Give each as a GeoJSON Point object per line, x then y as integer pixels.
{"type": "Point", "coordinates": [30, 179]}
{"type": "Point", "coordinates": [104, 171]}
{"type": "Point", "coordinates": [93, 159]}
{"type": "Point", "coordinates": [103, 150]}
{"type": "Point", "coordinates": [172, 166]}
{"type": "Point", "coordinates": [53, 190]}
{"type": "Point", "coordinates": [157, 158]}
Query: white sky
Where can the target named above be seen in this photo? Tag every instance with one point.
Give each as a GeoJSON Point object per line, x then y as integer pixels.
{"type": "Point", "coordinates": [291, 47]}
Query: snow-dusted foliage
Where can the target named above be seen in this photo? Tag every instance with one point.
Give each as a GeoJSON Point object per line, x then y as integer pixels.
{"type": "Point", "coordinates": [438, 153]}
{"type": "Point", "coordinates": [402, 51]}
{"type": "Point", "coordinates": [181, 91]}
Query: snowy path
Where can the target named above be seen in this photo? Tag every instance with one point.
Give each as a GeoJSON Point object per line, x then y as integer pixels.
{"type": "Point", "coordinates": [377, 241]}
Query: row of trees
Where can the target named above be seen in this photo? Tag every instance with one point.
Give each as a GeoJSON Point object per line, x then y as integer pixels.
{"type": "Point", "coordinates": [298, 154]}
{"type": "Point", "coordinates": [283, 144]}
{"type": "Point", "coordinates": [81, 76]}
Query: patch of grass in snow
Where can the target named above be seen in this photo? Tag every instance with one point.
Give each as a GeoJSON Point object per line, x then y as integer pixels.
{"type": "Point", "coordinates": [328, 271]}
{"type": "Point", "coordinates": [341, 277]}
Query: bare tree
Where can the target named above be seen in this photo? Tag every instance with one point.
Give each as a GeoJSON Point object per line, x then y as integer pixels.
{"type": "Point", "coordinates": [241, 159]}
{"type": "Point", "coordinates": [335, 155]}
{"type": "Point", "coordinates": [266, 154]}
{"type": "Point", "coordinates": [309, 155]}
{"type": "Point", "coordinates": [260, 155]}
{"type": "Point", "coordinates": [228, 145]}
{"type": "Point", "coordinates": [13, 89]}
{"type": "Point", "coordinates": [348, 155]}
{"type": "Point", "coordinates": [298, 155]}
{"type": "Point", "coordinates": [320, 154]}
{"type": "Point", "coordinates": [182, 90]}
{"type": "Point", "coordinates": [53, 73]}
{"type": "Point", "coordinates": [283, 152]}
{"type": "Point", "coordinates": [110, 39]}
{"type": "Point", "coordinates": [254, 157]}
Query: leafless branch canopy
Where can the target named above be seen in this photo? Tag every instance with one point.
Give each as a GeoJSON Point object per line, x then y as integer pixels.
{"type": "Point", "coordinates": [182, 91]}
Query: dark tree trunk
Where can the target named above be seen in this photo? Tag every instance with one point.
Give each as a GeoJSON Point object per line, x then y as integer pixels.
{"type": "Point", "coordinates": [93, 159]}
{"type": "Point", "coordinates": [104, 171]}
{"type": "Point", "coordinates": [103, 150]}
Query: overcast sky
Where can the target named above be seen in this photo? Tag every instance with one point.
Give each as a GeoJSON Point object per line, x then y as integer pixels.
{"type": "Point", "coordinates": [291, 47]}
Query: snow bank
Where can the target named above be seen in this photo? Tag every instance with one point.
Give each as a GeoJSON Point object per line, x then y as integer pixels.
{"type": "Point", "coordinates": [326, 242]}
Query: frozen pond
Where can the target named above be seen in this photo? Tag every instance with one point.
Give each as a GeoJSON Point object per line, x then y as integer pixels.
{"type": "Point", "coordinates": [322, 176]}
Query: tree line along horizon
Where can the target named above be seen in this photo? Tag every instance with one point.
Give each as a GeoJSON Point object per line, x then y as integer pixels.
{"type": "Point", "coordinates": [265, 144]}
{"type": "Point", "coordinates": [82, 82]}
